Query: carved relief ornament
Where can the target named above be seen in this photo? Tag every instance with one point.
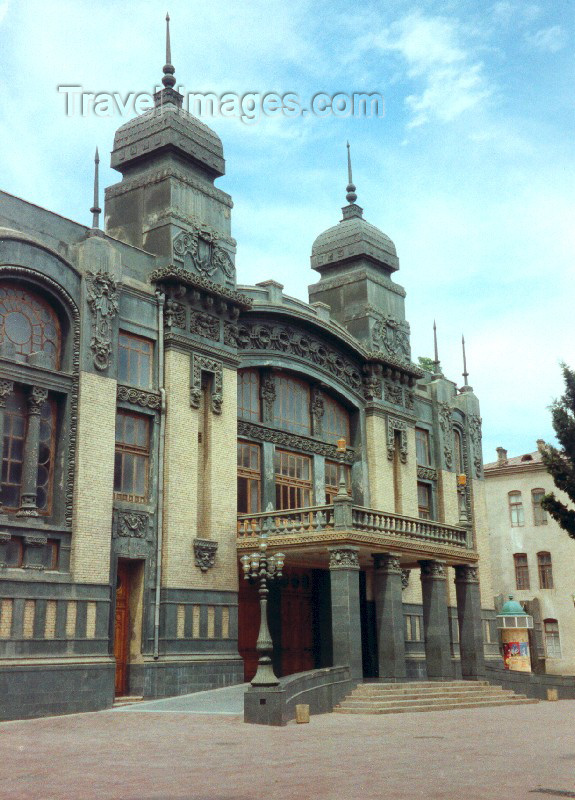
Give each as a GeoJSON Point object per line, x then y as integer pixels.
{"type": "Point", "coordinates": [392, 336]}
{"type": "Point", "coordinates": [205, 553]}
{"type": "Point", "coordinates": [103, 303]}
{"type": "Point", "coordinates": [138, 397]}
{"type": "Point", "coordinates": [133, 524]}
{"type": "Point", "coordinates": [446, 425]}
{"type": "Point", "coordinates": [344, 558]}
{"type": "Point", "coordinates": [211, 365]}
{"type": "Point", "coordinates": [202, 245]}
{"type": "Point", "coordinates": [475, 434]}
{"type": "Point", "coordinates": [400, 425]}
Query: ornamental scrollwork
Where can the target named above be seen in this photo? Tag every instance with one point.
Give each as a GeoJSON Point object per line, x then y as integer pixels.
{"type": "Point", "coordinates": [205, 325]}
{"type": "Point", "coordinates": [202, 245]}
{"type": "Point", "coordinates": [133, 524]}
{"type": "Point", "coordinates": [475, 434]}
{"type": "Point", "coordinates": [211, 365]}
{"type": "Point", "coordinates": [6, 389]}
{"type": "Point", "coordinates": [103, 303]}
{"type": "Point", "coordinates": [174, 314]}
{"type": "Point", "coordinates": [392, 336]}
{"type": "Point", "coordinates": [446, 425]}
{"type": "Point", "coordinates": [394, 425]}
{"type": "Point", "coordinates": [205, 553]}
{"type": "Point", "coordinates": [127, 394]}
{"type": "Point", "coordinates": [344, 558]}
{"type": "Point", "coordinates": [250, 430]}
{"type": "Point", "coordinates": [426, 473]}
{"type": "Point", "coordinates": [262, 336]}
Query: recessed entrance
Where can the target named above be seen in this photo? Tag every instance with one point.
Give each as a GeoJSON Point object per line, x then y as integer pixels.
{"type": "Point", "coordinates": [128, 621]}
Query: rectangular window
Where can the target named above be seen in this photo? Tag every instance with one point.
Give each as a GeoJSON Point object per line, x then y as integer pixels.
{"type": "Point", "coordinates": [539, 514]}
{"type": "Point", "coordinates": [516, 510]}
{"type": "Point", "coordinates": [422, 449]}
{"type": "Point", "coordinates": [249, 478]}
{"type": "Point", "coordinates": [13, 451]}
{"type": "Point", "coordinates": [521, 571]}
{"type": "Point", "coordinates": [135, 360]}
{"type": "Point", "coordinates": [293, 480]}
{"type": "Point", "coordinates": [552, 643]}
{"type": "Point", "coordinates": [132, 457]}
{"type": "Point", "coordinates": [335, 422]}
{"type": "Point", "coordinates": [424, 500]}
{"type": "Point", "coordinates": [412, 628]}
{"type": "Point", "coordinates": [249, 395]}
{"type": "Point", "coordinates": [292, 405]}
{"type": "Point", "coordinates": [332, 472]}
{"type": "Point", "coordinates": [545, 570]}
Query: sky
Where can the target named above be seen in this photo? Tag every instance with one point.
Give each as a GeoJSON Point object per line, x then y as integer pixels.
{"type": "Point", "coordinates": [470, 169]}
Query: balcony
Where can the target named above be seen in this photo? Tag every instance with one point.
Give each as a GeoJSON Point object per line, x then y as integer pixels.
{"type": "Point", "coordinates": [365, 525]}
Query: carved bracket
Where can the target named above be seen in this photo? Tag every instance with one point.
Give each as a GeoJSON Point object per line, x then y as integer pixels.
{"type": "Point", "coordinates": [103, 303]}
{"type": "Point", "coordinates": [205, 553]}
{"type": "Point", "coordinates": [344, 558]}
{"type": "Point", "coordinates": [400, 425]}
{"type": "Point", "coordinates": [202, 364]}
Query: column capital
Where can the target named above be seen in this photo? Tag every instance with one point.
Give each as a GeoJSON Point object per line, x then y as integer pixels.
{"type": "Point", "coordinates": [387, 562]}
{"type": "Point", "coordinates": [433, 570]}
{"type": "Point", "coordinates": [346, 557]}
{"type": "Point", "coordinates": [6, 389]}
{"type": "Point", "coordinates": [36, 399]}
{"type": "Point", "coordinates": [466, 573]}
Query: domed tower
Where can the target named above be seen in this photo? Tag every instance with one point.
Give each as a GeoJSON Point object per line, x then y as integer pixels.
{"type": "Point", "coordinates": [356, 262]}
{"type": "Point", "coordinates": [166, 202]}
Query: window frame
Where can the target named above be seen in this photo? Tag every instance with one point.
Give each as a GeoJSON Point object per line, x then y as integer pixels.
{"type": "Point", "coordinates": [251, 389]}
{"type": "Point", "coordinates": [420, 509]}
{"type": "Point", "coordinates": [298, 485]}
{"type": "Point", "coordinates": [521, 572]}
{"type": "Point", "coordinates": [552, 635]}
{"type": "Point", "coordinates": [539, 514]}
{"type": "Point", "coordinates": [293, 386]}
{"type": "Point", "coordinates": [545, 569]}
{"type": "Point", "coordinates": [251, 476]}
{"type": "Point", "coordinates": [137, 451]}
{"type": "Point", "coordinates": [125, 378]}
{"type": "Point", "coordinates": [516, 509]}
{"type": "Point", "coordinates": [423, 438]}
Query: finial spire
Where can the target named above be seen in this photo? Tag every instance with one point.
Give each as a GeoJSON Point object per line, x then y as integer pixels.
{"type": "Point", "coordinates": [351, 196]}
{"type": "Point", "coordinates": [168, 80]}
{"type": "Point", "coordinates": [465, 373]}
{"type": "Point", "coordinates": [96, 210]}
{"type": "Point", "coordinates": [435, 349]}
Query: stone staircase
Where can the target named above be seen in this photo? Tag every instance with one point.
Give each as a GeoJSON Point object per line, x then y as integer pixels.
{"type": "Point", "coordinates": [126, 700]}
{"type": "Point", "coordinates": [396, 698]}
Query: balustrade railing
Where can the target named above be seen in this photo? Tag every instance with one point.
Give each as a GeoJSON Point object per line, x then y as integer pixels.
{"type": "Point", "coordinates": [367, 519]}
{"type": "Point", "coordinates": [277, 523]}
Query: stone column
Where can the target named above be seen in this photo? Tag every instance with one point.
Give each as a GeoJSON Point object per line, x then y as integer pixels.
{"type": "Point", "coordinates": [6, 389]}
{"type": "Point", "coordinates": [470, 625]}
{"type": "Point", "coordinates": [345, 614]}
{"type": "Point", "coordinates": [389, 616]}
{"type": "Point", "coordinates": [36, 400]}
{"type": "Point", "coordinates": [436, 620]}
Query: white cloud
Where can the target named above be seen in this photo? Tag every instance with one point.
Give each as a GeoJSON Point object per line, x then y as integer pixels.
{"type": "Point", "coordinates": [548, 40]}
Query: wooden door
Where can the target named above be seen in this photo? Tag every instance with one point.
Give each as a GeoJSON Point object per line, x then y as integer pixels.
{"type": "Point", "coordinates": [122, 628]}
{"type": "Point", "coordinates": [296, 623]}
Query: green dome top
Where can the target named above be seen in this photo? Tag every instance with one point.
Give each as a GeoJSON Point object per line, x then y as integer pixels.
{"type": "Point", "coordinates": [512, 609]}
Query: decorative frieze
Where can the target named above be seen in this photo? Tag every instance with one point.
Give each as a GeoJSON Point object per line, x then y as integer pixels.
{"type": "Point", "coordinates": [202, 364]}
{"type": "Point", "coordinates": [138, 397]}
{"type": "Point", "coordinates": [174, 314]}
{"type": "Point", "coordinates": [394, 424]}
{"type": "Point", "coordinates": [205, 553]}
{"type": "Point", "coordinates": [426, 473]}
{"type": "Point", "coordinates": [103, 303]}
{"type": "Point", "coordinates": [173, 274]}
{"type": "Point", "coordinates": [344, 558]}
{"type": "Point", "coordinates": [291, 441]}
{"type": "Point", "coordinates": [205, 325]}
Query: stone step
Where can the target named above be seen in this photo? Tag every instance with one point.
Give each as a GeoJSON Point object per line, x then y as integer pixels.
{"type": "Point", "coordinates": [402, 709]}
{"type": "Point", "coordinates": [424, 701]}
{"type": "Point", "coordinates": [377, 686]}
{"type": "Point", "coordinates": [126, 700]}
{"type": "Point", "coordinates": [425, 693]}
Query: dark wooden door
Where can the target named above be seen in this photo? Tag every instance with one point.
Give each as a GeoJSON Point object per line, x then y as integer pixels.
{"type": "Point", "coordinates": [296, 623]}
{"type": "Point", "coordinates": [122, 629]}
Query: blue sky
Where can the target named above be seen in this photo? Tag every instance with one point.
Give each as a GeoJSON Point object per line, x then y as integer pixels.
{"type": "Point", "coordinates": [471, 170]}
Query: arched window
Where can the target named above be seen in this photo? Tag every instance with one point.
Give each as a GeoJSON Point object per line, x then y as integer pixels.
{"type": "Point", "coordinates": [552, 641]}
{"type": "Point", "coordinates": [335, 420]}
{"type": "Point", "coordinates": [539, 514]}
{"type": "Point", "coordinates": [545, 570]}
{"type": "Point", "coordinates": [28, 325]}
{"type": "Point", "coordinates": [516, 509]}
{"type": "Point", "coordinates": [521, 570]}
{"type": "Point", "coordinates": [292, 405]}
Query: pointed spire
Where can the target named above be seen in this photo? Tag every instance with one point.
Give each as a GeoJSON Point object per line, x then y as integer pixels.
{"type": "Point", "coordinates": [351, 196]}
{"type": "Point", "coordinates": [96, 210]}
{"type": "Point", "coordinates": [435, 349]}
{"type": "Point", "coordinates": [168, 80]}
{"type": "Point", "coordinates": [465, 373]}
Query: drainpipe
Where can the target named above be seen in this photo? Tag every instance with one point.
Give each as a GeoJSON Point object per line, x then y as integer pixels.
{"type": "Point", "coordinates": [160, 507]}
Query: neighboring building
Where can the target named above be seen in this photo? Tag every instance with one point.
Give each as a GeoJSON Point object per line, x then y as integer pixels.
{"type": "Point", "coordinates": [532, 557]}
{"type": "Point", "coordinates": [130, 365]}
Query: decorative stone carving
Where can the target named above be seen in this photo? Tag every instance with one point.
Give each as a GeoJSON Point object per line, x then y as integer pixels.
{"type": "Point", "coordinates": [171, 274]}
{"type": "Point", "coordinates": [291, 441]}
{"type": "Point", "coordinates": [138, 397]}
{"type": "Point", "coordinates": [405, 573]}
{"type": "Point", "coordinates": [283, 339]}
{"type": "Point", "coordinates": [432, 569]}
{"type": "Point", "coordinates": [317, 410]}
{"type": "Point", "coordinates": [393, 393]}
{"type": "Point", "coordinates": [409, 400]}
{"type": "Point", "coordinates": [387, 562]}
{"type": "Point", "coordinates": [174, 314]}
{"type": "Point", "coordinates": [231, 334]}
{"type": "Point", "coordinates": [475, 434]}
{"type": "Point", "coordinates": [400, 425]}
{"type": "Point", "coordinates": [202, 245]}
{"type": "Point", "coordinates": [103, 303]}
{"type": "Point", "coordinates": [392, 336]}
{"type": "Point", "coordinates": [268, 396]}
{"type": "Point", "coordinates": [5, 537]}
{"type": "Point", "coordinates": [343, 558]}
{"type": "Point", "coordinates": [426, 473]}
{"type": "Point", "coordinates": [133, 524]}
{"type": "Point", "coordinates": [6, 389]}
{"type": "Point", "coordinates": [205, 325]}
{"type": "Point", "coordinates": [36, 399]}
{"type": "Point", "coordinates": [446, 425]}
{"type": "Point", "coordinates": [466, 573]}
{"type": "Point", "coordinates": [204, 364]}
{"type": "Point", "coordinates": [205, 553]}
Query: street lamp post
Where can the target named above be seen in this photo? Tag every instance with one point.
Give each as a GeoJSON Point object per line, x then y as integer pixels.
{"type": "Point", "coordinates": [341, 450]}
{"type": "Point", "coordinates": [266, 568]}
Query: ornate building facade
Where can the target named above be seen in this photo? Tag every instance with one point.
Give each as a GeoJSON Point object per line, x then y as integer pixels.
{"type": "Point", "coordinates": [131, 366]}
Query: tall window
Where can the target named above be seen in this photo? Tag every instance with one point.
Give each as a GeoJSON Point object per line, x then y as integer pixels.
{"type": "Point", "coordinates": [521, 571]}
{"type": "Point", "coordinates": [422, 448]}
{"type": "Point", "coordinates": [458, 452]}
{"type": "Point", "coordinates": [132, 457]}
{"type": "Point", "coordinates": [135, 359]}
{"type": "Point", "coordinates": [249, 395]}
{"type": "Point", "coordinates": [335, 420]}
{"type": "Point", "coordinates": [249, 478]}
{"type": "Point", "coordinates": [293, 480]}
{"type": "Point", "coordinates": [424, 500]}
{"type": "Point", "coordinates": [332, 471]}
{"type": "Point", "coordinates": [292, 405]}
{"type": "Point", "coordinates": [516, 509]}
{"type": "Point", "coordinates": [539, 514]}
{"type": "Point", "coordinates": [552, 642]}
{"type": "Point", "coordinates": [545, 570]}
{"type": "Point", "coordinates": [28, 324]}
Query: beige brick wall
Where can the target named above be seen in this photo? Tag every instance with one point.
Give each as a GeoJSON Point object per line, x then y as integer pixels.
{"type": "Point", "coordinates": [448, 498]}
{"type": "Point", "coordinates": [380, 469]}
{"type": "Point", "coordinates": [409, 478]}
{"type": "Point", "coordinates": [93, 494]}
{"type": "Point", "coordinates": [482, 542]}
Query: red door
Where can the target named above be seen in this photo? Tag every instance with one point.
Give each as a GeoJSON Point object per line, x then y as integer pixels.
{"type": "Point", "coordinates": [122, 628]}
{"type": "Point", "coordinates": [297, 623]}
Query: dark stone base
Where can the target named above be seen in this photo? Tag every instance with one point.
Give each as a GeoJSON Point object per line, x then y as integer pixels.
{"type": "Point", "coordinates": [42, 690]}
{"type": "Point", "coordinates": [531, 684]}
{"type": "Point", "coordinates": [171, 678]}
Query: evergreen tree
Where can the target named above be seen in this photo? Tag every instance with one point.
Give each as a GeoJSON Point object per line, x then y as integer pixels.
{"type": "Point", "coordinates": [560, 462]}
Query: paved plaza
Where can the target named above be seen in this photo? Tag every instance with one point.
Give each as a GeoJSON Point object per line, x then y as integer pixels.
{"type": "Point", "coordinates": [174, 750]}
